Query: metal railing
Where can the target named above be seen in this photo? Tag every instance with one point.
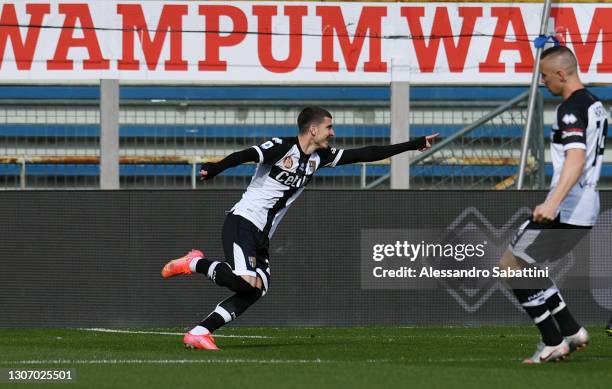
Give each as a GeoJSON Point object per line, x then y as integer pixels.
{"type": "Point", "coordinates": [160, 135]}
{"type": "Point", "coordinates": [491, 152]}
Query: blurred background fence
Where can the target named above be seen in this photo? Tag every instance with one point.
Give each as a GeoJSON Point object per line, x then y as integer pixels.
{"type": "Point", "coordinates": [50, 135]}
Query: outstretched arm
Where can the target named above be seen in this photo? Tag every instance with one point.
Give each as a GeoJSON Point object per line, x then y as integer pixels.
{"type": "Point", "coordinates": [211, 169]}
{"type": "Point", "coordinates": [376, 153]}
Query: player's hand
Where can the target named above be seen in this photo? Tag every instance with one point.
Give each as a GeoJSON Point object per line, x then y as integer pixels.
{"type": "Point", "coordinates": [429, 140]}
{"type": "Point", "coordinates": [203, 174]}
{"type": "Point", "coordinates": [545, 212]}
{"type": "Point", "coordinates": [207, 171]}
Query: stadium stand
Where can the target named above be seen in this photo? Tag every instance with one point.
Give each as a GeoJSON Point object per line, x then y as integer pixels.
{"type": "Point", "coordinates": [166, 131]}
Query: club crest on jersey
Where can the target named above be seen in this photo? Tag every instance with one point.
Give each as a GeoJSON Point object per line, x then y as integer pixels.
{"type": "Point", "coordinates": [569, 118]}
{"type": "Point", "coordinates": [312, 165]}
{"type": "Point", "coordinates": [252, 262]}
{"type": "Point", "coordinates": [288, 162]}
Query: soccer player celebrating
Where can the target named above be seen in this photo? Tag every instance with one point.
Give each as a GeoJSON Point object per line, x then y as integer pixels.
{"type": "Point", "coordinates": [570, 209]}
{"type": "Point", "coordinates": [284, 167]}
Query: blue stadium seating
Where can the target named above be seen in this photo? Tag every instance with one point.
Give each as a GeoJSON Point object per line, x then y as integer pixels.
{"type": "Point", "coordinates": [285, 93]}
{"type": "Point", "coordinates": [143, 170]}
{"type": "Point", "coordinates": [258, 93]}
{"type": "Point", "coordinates": [243, 131]}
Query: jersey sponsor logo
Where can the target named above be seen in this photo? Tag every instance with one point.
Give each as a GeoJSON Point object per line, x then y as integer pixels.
{"type": "Point", "coordinates": [573, 132]}
{"type": "Point", "coordinates": [292, 180]}
{"type": "Point", "coordinates": [569, 118]}
{"type": "Point", "coordinates": [288, 162]}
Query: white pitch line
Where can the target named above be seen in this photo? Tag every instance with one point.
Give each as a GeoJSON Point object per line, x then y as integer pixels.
{"type": "Point", "coordinates": [264, 361]}
{"type": "Point", "coordinates": [534, 336]}
{"type": "Point", "coordinates": [398, 336]}
{"type": "Point", "coordinates": [159, 361]}
{"type": "Point", "coordinates": [110, 330]}
{"type": "Point", "coordinates": [238, 361]}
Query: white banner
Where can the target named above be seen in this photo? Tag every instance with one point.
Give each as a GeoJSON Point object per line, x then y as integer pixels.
{"type": "Point", "coordinates": [293, 42]}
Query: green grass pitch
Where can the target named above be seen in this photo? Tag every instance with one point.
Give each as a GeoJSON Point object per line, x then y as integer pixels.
{"type": "Point", "coordinates": [371, 357]}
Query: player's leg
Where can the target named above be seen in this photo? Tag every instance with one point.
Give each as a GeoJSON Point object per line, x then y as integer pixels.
{"type": "Point", "coordinates": [533, 301]}
{"type": "Point", "coordinates": [241, 273]}
{"type": "Point", "coordinates": [227, 310]}
{"type": "Point", "coordinates": [220, 272]}
{"type": "Point", "coordinates": [532, 296]}
{"type": "Point", "coordinates": [541, 242]}
{"type": "Point", "coordinates": [235, 305]}
{"type": "Point", "coordinates": [564, 238]}
{"type": "Point", "coordinates": [237, 273]}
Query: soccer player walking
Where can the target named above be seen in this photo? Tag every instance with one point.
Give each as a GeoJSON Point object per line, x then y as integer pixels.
{"type": "Point", "coordinates": [284, 167]}
{"type": "Point", "coordinates": [570, 209]}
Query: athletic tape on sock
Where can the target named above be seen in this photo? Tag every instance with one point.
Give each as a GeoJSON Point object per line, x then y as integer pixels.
{"type": "Point", "coordinates": [224, 313]}
{"type": "Point", "coordinates": [193, 264]}
{"type": "Point", "coordinates": [560, 307]}
{"type": "Point", "coordinates": [541, 318]}
{"type": "Point", "coordinates": [211, 269]}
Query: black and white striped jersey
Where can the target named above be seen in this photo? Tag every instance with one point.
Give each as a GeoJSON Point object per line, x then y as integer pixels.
{"type": "Point", "coordinates": [581, 122]}
{"type": "Point", "coordinates": [280, 177]}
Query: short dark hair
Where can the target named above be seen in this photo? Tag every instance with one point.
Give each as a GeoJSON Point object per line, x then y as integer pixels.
{"type": "Point", "coordinates": [310, 115]}
{"type": "Point", "coordinates": [557, 51]}
{"type": "Point", "coordinates": [569, 61]}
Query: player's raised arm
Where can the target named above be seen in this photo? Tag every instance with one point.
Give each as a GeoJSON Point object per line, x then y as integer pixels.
{"type": "Point", "coordinates": [209, 170]}
{"type": "Point", "coordinates": [266, 153]}
{"type": "Point", "coordinates": [376, 153]}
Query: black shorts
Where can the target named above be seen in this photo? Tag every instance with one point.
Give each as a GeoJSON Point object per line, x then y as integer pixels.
{"type": "Point", "coordinates": [537, 242]}
{"type": "Point", "coordinates": [246, 248]}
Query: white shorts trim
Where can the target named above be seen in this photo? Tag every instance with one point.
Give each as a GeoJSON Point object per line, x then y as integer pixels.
{"type": "Point", "coordinates": [264, 280]}
{"type": "Point", "coordinates": [574, 145]}
{"type": "Point", "coordinates": [522, 244]}
{"type": "Point", "coordinates": [240, 266]}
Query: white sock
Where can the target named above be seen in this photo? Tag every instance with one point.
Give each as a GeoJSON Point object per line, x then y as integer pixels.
{"type": "Point", "coordinates": [192, 265]}
{"type": "Point", "coordinates": [199, 330]}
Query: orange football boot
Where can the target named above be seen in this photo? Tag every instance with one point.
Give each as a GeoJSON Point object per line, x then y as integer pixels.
{"type": "Point", "coordinates": [181, 265]}
{"type": "Point", "coordinates": [202, 342]}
